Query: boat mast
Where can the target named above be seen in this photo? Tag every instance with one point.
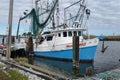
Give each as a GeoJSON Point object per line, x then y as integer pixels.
{"type": "Point", "coordinates": [9, 29]}
{"type": "Point", "coordinates": [32, 3]}
{"type": "Point", "coordinates": [37, 14]}
{"type": "Point", "coordinates": [65, 22]}
{"type": "Point", "coordinates": [37, 8]}
{"type": "Point", "coordinates": [57, 13]}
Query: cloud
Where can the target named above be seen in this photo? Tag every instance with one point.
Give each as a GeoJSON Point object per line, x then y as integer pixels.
{"type": "Point", "coordinates": [105, 15]}
{"type": "Point", "coordinates": [19, 7]}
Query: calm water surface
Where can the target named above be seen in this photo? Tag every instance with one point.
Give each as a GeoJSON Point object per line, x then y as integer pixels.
{"type": "Point", "coordinates": [102, 61]}
{"type": "Point", "coordinates": [109, 59]}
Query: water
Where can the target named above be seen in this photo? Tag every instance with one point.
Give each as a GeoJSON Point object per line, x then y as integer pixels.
{"type": "Point", "coordinates": [108, 60]}
{"type": "Point", "coordinates": [61, 67]}
{"type": "Point", "coordinates": [102, 61]}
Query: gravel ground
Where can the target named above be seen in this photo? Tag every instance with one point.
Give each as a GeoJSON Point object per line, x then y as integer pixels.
{"type": "Point", "coordinates": [30, 76]}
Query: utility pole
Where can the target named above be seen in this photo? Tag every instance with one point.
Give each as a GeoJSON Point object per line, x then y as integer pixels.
{"type": "Point", "coordinates": [9, 30]}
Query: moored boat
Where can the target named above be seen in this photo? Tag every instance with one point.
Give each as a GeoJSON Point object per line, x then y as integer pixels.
{"type": "Point", "coordinates": [56, 43]}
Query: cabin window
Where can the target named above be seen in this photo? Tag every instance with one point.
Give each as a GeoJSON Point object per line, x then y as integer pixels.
{"type": "Point", "coordinates": [64, 34]}
{"type": "Point", "coordinates": [70, 33]}
{"type": "Point", "coordinates": [59, 34]}
{"type": "Point", "coordinates": [49, 38]}
{"type": "Point", "coordinates": [75, 33]}
{"type": "Point", "coordinates": [79, 33]}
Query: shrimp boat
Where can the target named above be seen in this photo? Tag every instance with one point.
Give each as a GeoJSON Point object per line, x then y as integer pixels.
{"type": "Point", "coordinates": [56, 42]}
{"type": "Point", "coordinates": [58, 45]}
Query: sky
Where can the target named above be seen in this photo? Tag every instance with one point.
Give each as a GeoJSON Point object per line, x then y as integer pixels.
{"type": "Point", "coordinates": [104, 18]}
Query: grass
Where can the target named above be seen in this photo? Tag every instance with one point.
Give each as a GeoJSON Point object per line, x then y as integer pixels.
{"type": "Point", "coordinates": [23, 60]}
{"type": "Point", "coordinates": [106, 38]}
{"type": "Point", "coordinates": [12, 75]}
{"type": "Point", "coordinates": [114, 38]}
{"type": "Point", "coordinates": [4, 76]}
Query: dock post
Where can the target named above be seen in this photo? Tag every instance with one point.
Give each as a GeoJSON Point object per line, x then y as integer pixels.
{"type": "Point", "coordinates": [75, 54]}
{"type": "Point", "coordinates": [30, 50]}
{"type": "Point", "coordinates": [103, 45]}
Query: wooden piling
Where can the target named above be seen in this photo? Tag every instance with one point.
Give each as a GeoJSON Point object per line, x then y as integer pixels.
{"type": "Point", "coordinates": [30, 44]}
{"type": "Point", "coordinates": [75, 53]}
{"type": "Point", "coordinates": [103, 47]}
{"type": "Point", "coordinates": [29, 48]}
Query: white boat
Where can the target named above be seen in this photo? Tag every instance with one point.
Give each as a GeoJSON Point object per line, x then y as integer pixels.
{"type": "Point", "coordinates": [57, 43]}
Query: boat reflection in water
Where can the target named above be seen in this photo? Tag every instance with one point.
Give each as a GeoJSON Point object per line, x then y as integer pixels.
{"type": "Point", "coordinates": [63, 66]}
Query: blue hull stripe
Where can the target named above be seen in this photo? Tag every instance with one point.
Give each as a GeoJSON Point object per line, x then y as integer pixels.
{"type": "Point", "coordinates": [86, 53]}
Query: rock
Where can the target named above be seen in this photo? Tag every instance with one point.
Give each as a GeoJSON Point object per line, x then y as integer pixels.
{"type": "Point", "coordinates": [4, 68]}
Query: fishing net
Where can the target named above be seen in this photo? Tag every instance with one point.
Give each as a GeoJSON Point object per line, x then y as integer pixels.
{"type": "Point", "coordinates": [35, 24]}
